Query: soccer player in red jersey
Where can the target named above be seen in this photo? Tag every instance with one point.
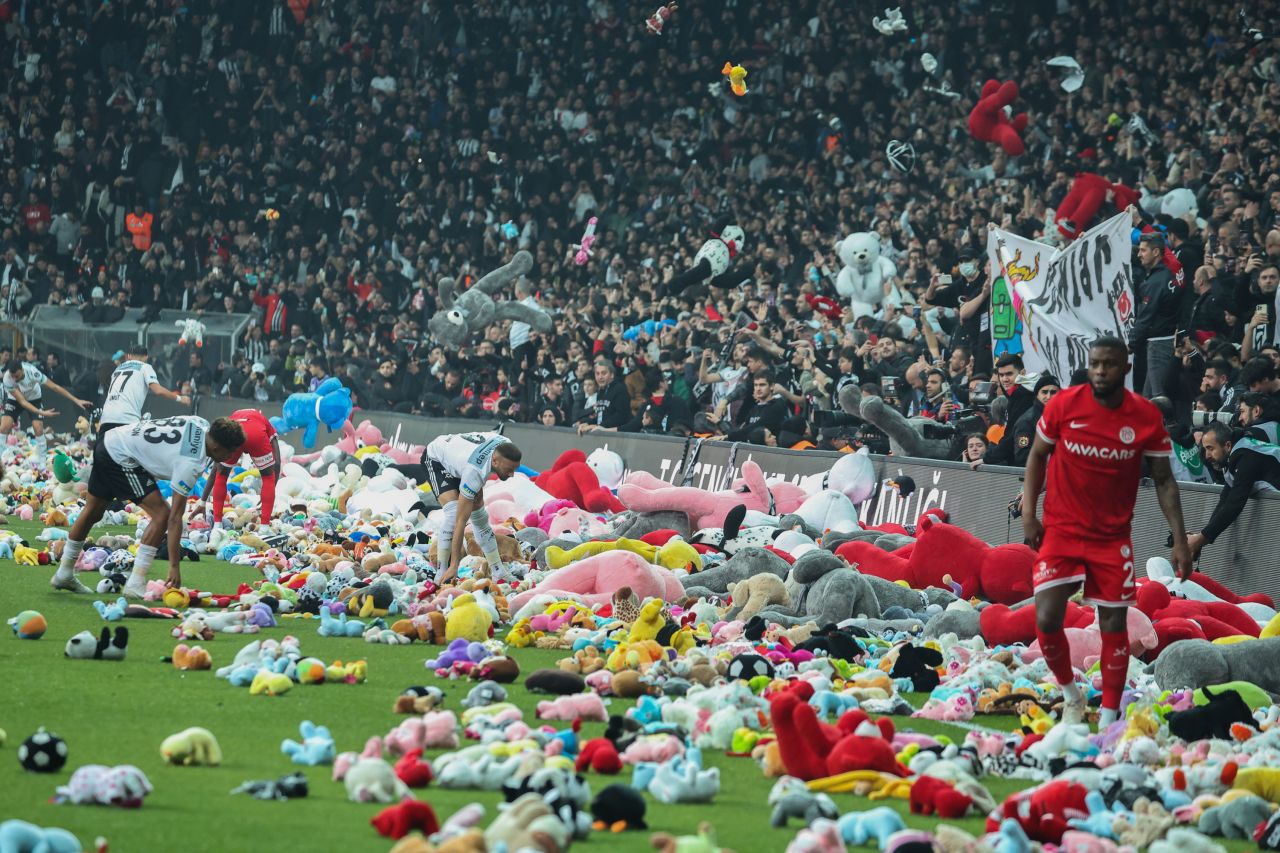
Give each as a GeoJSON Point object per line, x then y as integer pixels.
{"type": "Point", "coordinates": [1092, 439]}
{"type": "Point", "coordinates": [263, 447]}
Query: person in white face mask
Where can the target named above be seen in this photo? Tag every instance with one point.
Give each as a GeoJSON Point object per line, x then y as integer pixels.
{"type": "Point", "coordinates": [969, 293]}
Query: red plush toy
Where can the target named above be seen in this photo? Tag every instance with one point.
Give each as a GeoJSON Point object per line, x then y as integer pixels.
{"type": "Point", "coordinates": [399, 820]}
{"type": "Point", "coordinates": [811, 749]}
{"type": "Point", "coordinates": [988, 122]}
{"type": "Point", "coordinates": [600, 755]}
{"type": "Point", "coordinates": [413, 771]}
{"type": "Point", "coordinates": [1085, 199]}
{"type": "Point", "coordinates": [572, 479]}
{"type": "Point", "coordinates": [930, 795]}
{"type": "Point", "coordinates": [1004, 626]}
{"type": "Point", "coordinates": [1044, 811]}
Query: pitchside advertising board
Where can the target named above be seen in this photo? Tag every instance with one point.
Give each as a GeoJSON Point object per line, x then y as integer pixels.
{"type": "Point", "coordinates": [1246, 558]}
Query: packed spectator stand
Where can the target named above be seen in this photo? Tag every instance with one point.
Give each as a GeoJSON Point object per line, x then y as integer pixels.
{"type": "Point", "coordinates": [323, 165]}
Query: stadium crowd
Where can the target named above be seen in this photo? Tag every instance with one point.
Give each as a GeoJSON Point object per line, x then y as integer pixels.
{"type": "Point", "coordinates": [322, 165]}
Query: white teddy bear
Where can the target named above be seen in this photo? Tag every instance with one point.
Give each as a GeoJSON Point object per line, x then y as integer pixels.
{"type": "Point", "coordinates": [865, 272]}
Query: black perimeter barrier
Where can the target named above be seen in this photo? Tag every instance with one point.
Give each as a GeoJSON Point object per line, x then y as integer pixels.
{"type": "Point", "coordinates": [1243, 558]}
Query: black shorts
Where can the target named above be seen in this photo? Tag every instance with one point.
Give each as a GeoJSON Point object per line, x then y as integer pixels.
{"type": "Point", "coordinates": [110, 480]}
{"type": "Point", "coordinates": [14, 410]}
{"type": "Point", "coordinates": [102, 430]}
{"type": "Point", "coordinates": [441, 480]}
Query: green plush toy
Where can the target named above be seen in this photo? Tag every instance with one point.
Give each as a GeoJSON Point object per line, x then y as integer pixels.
{"type": "Point", "coordinates": [1253, 695]}
{"type": "Point", "coordinates": [64, 470]}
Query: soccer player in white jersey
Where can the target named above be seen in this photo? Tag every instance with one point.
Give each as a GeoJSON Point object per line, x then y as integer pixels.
{"type": "Point", "coordinates": [126, 464]}
{"type": "Point", "coordinates": [457, 467]}
{"type": "Point", "coordinates": [127, 391]}
{"type": "Point", "coordinates": [24, 386]}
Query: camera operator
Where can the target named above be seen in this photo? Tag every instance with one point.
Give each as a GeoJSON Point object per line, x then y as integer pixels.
{"type": "Point", "coordinates": [258, 386]}
{"type": "Point", "coordinates": [1246, 462]}
{"type": "Point", "coordinates": [940, 403]}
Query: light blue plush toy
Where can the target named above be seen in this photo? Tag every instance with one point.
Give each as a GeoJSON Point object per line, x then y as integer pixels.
{"type": "Point", "coordinates": [857, 828]}
{"type": "Point", "coordinates": [18, 836]}
{"type": "Point", "coordinates": [329, 404]}
{"type": "Point", "coordinates": [111, 612]}
{"type": "Point", "coordinates": [316, 747]}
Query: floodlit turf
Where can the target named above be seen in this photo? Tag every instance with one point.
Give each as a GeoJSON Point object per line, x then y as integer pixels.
{"type": "Point", "coordinates": [117, 713]}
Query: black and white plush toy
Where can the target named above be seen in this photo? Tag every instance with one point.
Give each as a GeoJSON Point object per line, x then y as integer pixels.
{"type": "Point", "coordinates": [469, 313]}
{"type": "Point", "coordinates": [714, 263]}
{"type": "Point", "coordinates": [84, 647]}
{"type": "Point", "coordinates": [733, 537]}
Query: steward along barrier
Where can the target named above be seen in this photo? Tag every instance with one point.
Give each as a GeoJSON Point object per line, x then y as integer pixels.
{"type": "Point", "coordinates": [1245, 558]}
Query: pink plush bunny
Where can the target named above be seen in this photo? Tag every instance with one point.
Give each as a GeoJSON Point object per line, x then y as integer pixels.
{"type": "Point", "coordinates": [345, 760]}
{"type": "Point", "coordinates": [581, 706]}
{"type": "Point", "coordinates": [658, 749]}
{"type": "Point", "coordinates": [596, 578]}
{"type": "Point", "coordinates": [644, 492]}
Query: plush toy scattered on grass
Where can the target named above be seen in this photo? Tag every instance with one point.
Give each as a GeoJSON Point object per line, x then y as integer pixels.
{"type": "Point", "coordinates": [84, 646]}
{"type": "Point", "coordinates": [123, 786]}
{"type": "Point", "coordinates": [18, 836]}
{"type": "Point", "coordinates": [316, 747]}
{"type": "Point", "coordinates": [29, 625]}
{"type": "Point", "coordinates": [43, 752]}
{"type": "Point", "coordinates": [192, 746]}
{"type": "Point", "coordinates": [289, 787]}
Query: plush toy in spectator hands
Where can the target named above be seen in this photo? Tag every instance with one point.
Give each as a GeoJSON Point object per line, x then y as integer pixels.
{"type": "Point", "coordinates": [865, 272]}
{"type": "Point", "coordinates": [658, 20]}
{"type": "Point", "coordinates": [584, 248]}
{"type": "Point", "coordinates": [465, 315]}
{"type": "Point", "coordinates": [989, 121]}
{"type": "Point", "coordinates": [737, 78]}
{"type": "Point", "coordinates": [891, 23]}
{"type": "Point", "coordinates": [192, 331]}
{"type": "Point", "coordinates": [329, 404]}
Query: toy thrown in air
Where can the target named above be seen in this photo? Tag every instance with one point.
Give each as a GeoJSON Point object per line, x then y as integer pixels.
{"type": "Point", "coordinates": [192, 330]}
{"type": "Point", "coordinates": [471, 312]}
{"type": "Point", "coordinates": [658, 19]}
{"type": "Point", "coordinates": [713, 263]}
{"type": "Point", "coordinates": [891, 23]}
{"type": "Point", "coordinates": [737, 78]}
{"type": "Point", "coordinates": [588, 238]}
{"type": "Point", "coordinates": [329, 404]}
{"type": "Point", "coordinates": [991, 121]}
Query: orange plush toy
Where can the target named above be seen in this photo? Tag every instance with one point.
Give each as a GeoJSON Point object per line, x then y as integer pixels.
{"type": "Point", "coordinates": [572, 479]}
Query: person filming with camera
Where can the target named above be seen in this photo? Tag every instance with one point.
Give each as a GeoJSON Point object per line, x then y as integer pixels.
{"type": "Point", "coordinates": [1246, 461]}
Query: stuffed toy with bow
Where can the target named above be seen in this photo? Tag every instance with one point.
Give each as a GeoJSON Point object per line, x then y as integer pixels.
{"type": "Point", "coordinates": [865, 271]}
{"type": "Point", "coordinates": [467, 314]}
{"type": "Point", "coordinates": [714, 261]}
{"type": "Point", "coordinates": [989, 121]}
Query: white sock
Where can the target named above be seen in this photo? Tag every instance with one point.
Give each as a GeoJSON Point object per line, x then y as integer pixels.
{"type": "Point", "coordinates": [70, 553]}
{"type": "Point", "coordinates": [1072, 692]}
{"type": "Point", "coordinates": [142, 562]}
{"type": "Point", "coordinates": [1106, 717]}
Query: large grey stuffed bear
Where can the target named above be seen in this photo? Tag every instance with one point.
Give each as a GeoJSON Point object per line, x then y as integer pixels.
{"type": "Point", "coordinates": [466, 315]}
{"type": "Point", "coordinates": [824, 589]}
{"type": "Point", "coordinates": [1199, 663]}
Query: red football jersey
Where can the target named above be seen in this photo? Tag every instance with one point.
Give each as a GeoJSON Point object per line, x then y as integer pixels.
{"type": "Point", "coordinates": [258, 432]}
{"type": "Point", "coordinates": [1096, 463]}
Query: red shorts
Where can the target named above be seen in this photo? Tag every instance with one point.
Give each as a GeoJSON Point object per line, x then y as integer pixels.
{"type": "Point", "coordinates": [1105, 566]}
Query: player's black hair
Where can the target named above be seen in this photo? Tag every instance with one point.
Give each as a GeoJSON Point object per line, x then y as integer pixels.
{"type": "Point", "coordinates": [508, 450]}
{"type": "Point", "coordinates": [14, 366]}
{"type": "Point", "coordinates": [227, 433]}
{"type": "Point", "coordinates": [138, 349]}
{"type": "Point", "coordinates": [1110, 342]}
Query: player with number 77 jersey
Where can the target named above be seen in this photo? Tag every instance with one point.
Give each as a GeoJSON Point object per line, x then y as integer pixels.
{"type": "Point", "coordinates": [126, 465]}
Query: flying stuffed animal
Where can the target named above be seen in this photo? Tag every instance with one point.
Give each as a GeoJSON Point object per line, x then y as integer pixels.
{"type": "Point", "coordinates": [891, 23]}
{"type": "Point", "coordinates": [588, 238]}
{"type": "Point", "coordinates": [737, 78]}
{"type": "Point", "coordinates": [988, 121]}
{"type": "Point", "coordinates": [659, 19]}
{"type": "Point", "coordinates": [470, 313]}
{"type": "Point", "coordinates": [713, 263]}
{"type": "Point", "coordinates": [192, 330]}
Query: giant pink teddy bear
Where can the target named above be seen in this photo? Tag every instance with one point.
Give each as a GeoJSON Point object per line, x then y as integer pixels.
{"type": "Point", "coordinates": [644, 492]}
{"type": "Point", "coordinates": [988, 122]}
{"type": "Point", "coordinates": [596, 578]}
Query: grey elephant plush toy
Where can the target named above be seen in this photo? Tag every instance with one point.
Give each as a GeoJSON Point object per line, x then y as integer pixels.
{"type": "Point", "coordinates": [1200, 663]}
{"type": "Point", "coordinates": [465, 315]}
{"type": "Point", "coordinates": [906, 435]}
{"type": "Point", "coordinates": [825, 590]}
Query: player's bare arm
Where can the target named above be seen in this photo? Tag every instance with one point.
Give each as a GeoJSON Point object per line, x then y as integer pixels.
{"type": "Point", "coordinates": [1171, 506]}
{"type": "Point", "coordinates": [1032, 485]}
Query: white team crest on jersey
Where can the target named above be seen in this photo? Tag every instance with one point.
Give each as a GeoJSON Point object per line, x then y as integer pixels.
{"type": "Point", "coordinates": [1127, 435]}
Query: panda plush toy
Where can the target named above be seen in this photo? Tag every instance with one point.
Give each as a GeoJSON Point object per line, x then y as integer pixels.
{"type": "Point", "coordinates": [713, 263]}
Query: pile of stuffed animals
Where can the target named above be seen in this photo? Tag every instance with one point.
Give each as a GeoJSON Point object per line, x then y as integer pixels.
{"type": "Point", "coordinates": [762, 620]}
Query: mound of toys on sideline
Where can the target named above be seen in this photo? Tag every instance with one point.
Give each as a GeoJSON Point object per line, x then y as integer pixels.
{"type": "Point", "coordinates": [762, 620]}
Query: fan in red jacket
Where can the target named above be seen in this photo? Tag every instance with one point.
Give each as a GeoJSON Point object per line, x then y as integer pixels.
{"type": "Point", "coordinates": [263, 447]}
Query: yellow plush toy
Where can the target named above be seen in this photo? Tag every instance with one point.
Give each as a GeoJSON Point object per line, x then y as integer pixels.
{"type": "Point", "coordinates": [679, 554]}
{"type": "Point", "coordinates": [191, 747]}
{"type": "Point", "coordinates": [648, 623]}
{"type": "Point", "coordinates": [1263, 781]}
{"type": "Point", "coordinates": [467, 620]}
{"type": "Point", "coordinates": [270, 683]}
{"type": "Point", "coordinates": [26, 556]}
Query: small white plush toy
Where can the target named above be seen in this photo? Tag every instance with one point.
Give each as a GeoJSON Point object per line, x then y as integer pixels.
{"type": "Point", "coordinates": [891, 23]}
{"type": "Point", "coordinates": [192, 330]}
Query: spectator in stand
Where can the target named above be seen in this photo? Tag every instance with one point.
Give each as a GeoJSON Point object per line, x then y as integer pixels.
{"type": "Point", "coordinates": [975, 449]}
{"type": "Point", "coordinates": [1012, 378]}
{"type": "Point", "coordinates": [612, 405]}
{"type": "Point", "coordinates": [1024, 429]}
{"type": "Point", "coordinates": [1156, 318]}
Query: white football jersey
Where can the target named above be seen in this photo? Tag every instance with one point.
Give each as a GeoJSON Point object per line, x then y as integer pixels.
{"type": "Point", "coordinates": [31, 384]}
{"type": "Point", "coordinates": [467, 456]}
{"type": "Point", "coordinates": [127, 392]}
{"type": "Point", "coordinates": [168, 449]}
